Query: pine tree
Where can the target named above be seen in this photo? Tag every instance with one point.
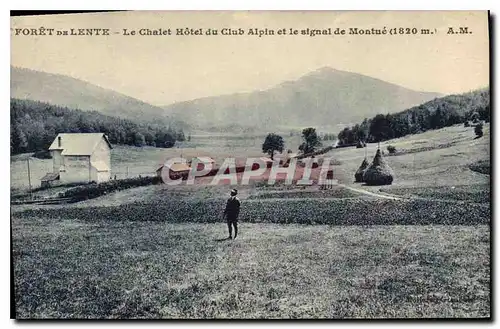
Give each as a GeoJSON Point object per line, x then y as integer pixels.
{"type": "Point", "coordinates": [18, 140]}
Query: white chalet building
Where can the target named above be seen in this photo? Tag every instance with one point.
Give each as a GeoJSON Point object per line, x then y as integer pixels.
{"type": "Point", "coordinates": [79, 158]}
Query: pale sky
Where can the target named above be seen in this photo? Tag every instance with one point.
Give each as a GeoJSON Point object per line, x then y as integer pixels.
{"type": "Point", "coordinates": [165, 69]}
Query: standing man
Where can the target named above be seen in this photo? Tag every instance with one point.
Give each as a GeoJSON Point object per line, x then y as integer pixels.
{"type": "Point", "coordinates": [231, 213]}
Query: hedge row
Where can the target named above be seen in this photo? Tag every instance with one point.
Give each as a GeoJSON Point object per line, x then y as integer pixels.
{"type": "Point", "coordinates": [25, 195]}
{"type": "Point", "coordinates": [310, 211]}
{"type": "Point", "coordinates": [319, 152]}
{"type": "Point", "coordinates": [95, 190]}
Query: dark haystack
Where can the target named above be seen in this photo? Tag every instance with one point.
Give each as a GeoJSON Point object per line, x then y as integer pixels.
{"type": "Point", "coordinates": [378, 173]}
{"type": "Point", "coordinates": [358, 176]}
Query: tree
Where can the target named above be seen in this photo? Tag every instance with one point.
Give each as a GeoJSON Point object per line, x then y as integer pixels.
{"type": "Point", "coordinates": [474, 117]}
{"type": "Point", "coordinates": [272, 143]}
{"type": "Point", "coordinates": [380, 128]}
{"type": "Point", "coordinates": [348, 136]}
{"type": "Point", "coordinates": [484, 113]}
{"type": "Point", "coordinates": [168, 140]}
{"type": "Point", "coordinates": [439, 118]}
{"type": "Point", "coordinates": [362, 134]}
{"type": "Point", "coordinates": [180, 136]}
{"type": "Point", "coordinates": [18, 140]}
{"type": "Point", "coordinates": [84, 125]}
{"type": "Point", "coordinates": [36, 136]}
{"type": "Point", "coordinates": [139, 139]}
{"type": "Point", "coordinates": [149, 138]}
{"type": "Point", "coordinates": [311, 141]}
{"type": "Point", "coordinates": [355, 132]}
{"type": "Point", "coordinates": [341, 136]}
{"type": "Point", "coordinates": [399, 126]}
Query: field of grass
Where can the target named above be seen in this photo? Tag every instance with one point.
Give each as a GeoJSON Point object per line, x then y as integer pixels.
{"type": "Point", "coordinates": [19, 171]}
{"type": "Point", "coordinates": [157, 251]}
{"type": "Point", "coordinates": [436, 167]}
{"type": "Point", "coordinates": [71, 269]}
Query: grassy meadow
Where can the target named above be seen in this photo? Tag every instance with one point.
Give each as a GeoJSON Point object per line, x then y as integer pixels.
{"type": "Point", "coordinates": [159, 251]}
{"type": "Point", "coordinates": [68, 269]}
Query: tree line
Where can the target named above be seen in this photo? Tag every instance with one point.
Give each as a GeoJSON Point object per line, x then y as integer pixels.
{"type": "Point", "coordinates": [34, 125]}
{"type": "Point", "coordinates": [435, 114]}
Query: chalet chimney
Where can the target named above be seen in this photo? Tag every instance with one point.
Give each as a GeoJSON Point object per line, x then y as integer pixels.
{"type": "Point", "coordinates": [59, 141]}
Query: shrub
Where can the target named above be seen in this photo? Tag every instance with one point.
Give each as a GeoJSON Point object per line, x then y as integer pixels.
{"type": "Point", "coordinates": [44, 154]}
{"type": "Point", "coordinates": [467, 124]}
{"type": "Point", "coordinates": [391, 149]}
{"type": "Point", "coordinates": [481, 166]}
{"type": "Point", "coordinates": [479, 130]}
{"type": "Point", "coordinates": [312, 154]}
{"type": "Point", "coordinates": [95, 190]}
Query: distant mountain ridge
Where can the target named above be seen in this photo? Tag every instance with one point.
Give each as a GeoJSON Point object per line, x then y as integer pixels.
{"type": "Point", "coordinates": [73, 93]}
{"type": "Point", "coordinates": [325, 95]}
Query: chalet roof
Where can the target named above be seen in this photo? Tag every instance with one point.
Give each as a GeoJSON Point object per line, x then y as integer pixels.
{"type": "Point", "coordinates": [179, 167]}
{"type": "Point", "coordinates": [176, 167]}
{"type": "Point", "coordinates": [78, 144]}
{"type": "Point", "coordinates": [50, 177]}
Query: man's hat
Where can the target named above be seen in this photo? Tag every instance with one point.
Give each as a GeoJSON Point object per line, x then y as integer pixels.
{"type": "Point", "coordinates": [234, 191]}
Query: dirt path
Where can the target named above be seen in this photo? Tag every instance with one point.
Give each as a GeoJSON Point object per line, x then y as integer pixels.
{"type": "Point", "coordinates": [379, 195]}
{"type": "Point", "coordinates": [344, 179]}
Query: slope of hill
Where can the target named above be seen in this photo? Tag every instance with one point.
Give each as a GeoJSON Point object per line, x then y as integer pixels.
{"type": "Point", "coordinates": [438, 113]}
{"type": "Point", "coordinates": [323, 96]}
{"type": "Point", "coordinates": [77, 94]}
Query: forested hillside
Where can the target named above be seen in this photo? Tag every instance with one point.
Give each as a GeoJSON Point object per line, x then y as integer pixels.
{"type": "Point", "coordinates": [34, 125]}
{"type": "Point", "coordinates": [435, 114]}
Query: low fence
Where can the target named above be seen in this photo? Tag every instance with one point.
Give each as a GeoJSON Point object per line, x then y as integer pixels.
{"type": "Point", "coordinates": [125, 174]}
